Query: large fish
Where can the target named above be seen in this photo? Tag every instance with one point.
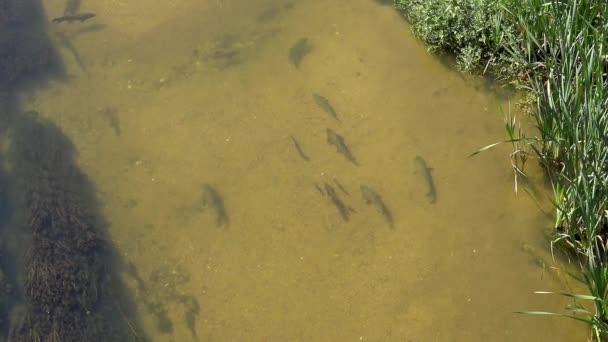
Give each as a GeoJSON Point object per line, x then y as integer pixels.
{"type": "Point", "coordinates": [425, 171]}
{"type": "Point", "coordinates": [337, 140]}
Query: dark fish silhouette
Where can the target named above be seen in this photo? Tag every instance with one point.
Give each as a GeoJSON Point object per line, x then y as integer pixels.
{"type": "Point", "coordinates": [323, 102]}
{"type": "Point", "coordinates": [113, 119]}
{"type": "Point", "coordinates": [343, 189]}
{"type": "Point", "coordinates": [423, 169]}
{"type": "Point", "coordinates": [343, 209]}
{"type": "Point", "coordinates": [319, 189]}
{"type": "Point", "coordinates": [371, 197]}
{"type": "Point", "coordinates": [212, 197]}
{"type": "Point", "coordinates": [70, 18]}
{"type": "Point", "coordinates": [299, 149]}
{"type": "Point", "coordinates": [193, 309]}
{"type": "Point", "coordinates": [337, 140]}
{"type": "Point", "coordinates": [132, 271]}
{"type": "Point", "coordinates": [298, 51]}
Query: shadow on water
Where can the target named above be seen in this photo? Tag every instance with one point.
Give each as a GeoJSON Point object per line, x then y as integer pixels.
{"type": "Point", "coordinates": [59, 278]}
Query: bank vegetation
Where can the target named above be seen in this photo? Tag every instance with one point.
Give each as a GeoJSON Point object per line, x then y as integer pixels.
{"type": "Point", "coordinates": [556, 51]}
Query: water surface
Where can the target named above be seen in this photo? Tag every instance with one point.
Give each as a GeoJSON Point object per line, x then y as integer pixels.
{"type": "Point", "coordinates": [180, 108]}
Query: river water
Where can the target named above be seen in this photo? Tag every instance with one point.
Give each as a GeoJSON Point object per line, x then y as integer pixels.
{"type": "Point", "coordinates": [182, 108]}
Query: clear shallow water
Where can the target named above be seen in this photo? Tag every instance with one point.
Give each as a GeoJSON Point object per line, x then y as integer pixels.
{"type": "Point", "coordinates": [162, 99]}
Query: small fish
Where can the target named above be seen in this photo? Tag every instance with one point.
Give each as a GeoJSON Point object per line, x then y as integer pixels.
{"type": "Point", "coordinates": [111, 115]}
{"type": "Point", "coordinates": [371, 197]}
{"type": "Point", "coordinates": [132, 271]}
{"type": "Point", "coordinates": [193, 309]}
{"type": "Point", "coordinates": [323, 102]}
{"type": "Point", "coordinates": [343, 209]}
{"type": "Point", "coordinates": [213, 198]}
{"type": "Point", "coordinates": [225, 57]}
{"type": "Point", "coordinates": [299, 149]}
{"type": "Point", "coordinates": [341, 187]}
{"type": "Point", "coordinates": [423, 168]}
{"type": "Point", "coordinates": [73, 17]}
{"type": "Point", "coordinates": [298, 51]}
{"type": "Point", "coordinates": [319, 189]}
{"type": "Point", "coordinates": [337, 140]}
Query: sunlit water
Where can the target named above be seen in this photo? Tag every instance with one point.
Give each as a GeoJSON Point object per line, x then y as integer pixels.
{"type": "Point", "coordinates": [163, 98]}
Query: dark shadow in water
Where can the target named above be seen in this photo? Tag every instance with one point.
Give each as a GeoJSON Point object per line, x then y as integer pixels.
{"type": "Point", "coordinates": [6, 281]}
{"type": "Point", "coordinates": [27, 57]}
{"type": "Point", "coordinates": [61, 266]}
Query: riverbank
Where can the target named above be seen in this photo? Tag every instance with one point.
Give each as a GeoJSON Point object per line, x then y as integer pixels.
{"type": "Point", "coordinates": [555, 51]}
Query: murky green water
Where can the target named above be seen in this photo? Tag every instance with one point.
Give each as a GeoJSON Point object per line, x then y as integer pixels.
{"type": "Point", "coordinates": [181, 107]}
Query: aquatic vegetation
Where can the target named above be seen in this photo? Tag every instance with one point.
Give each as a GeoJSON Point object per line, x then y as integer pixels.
{"type": "Point", "coordinates": [556, 51]}
{"type": "Point", "coordinates": [561, 48]}
{"type": "Point", "coordinates": [67, 286]}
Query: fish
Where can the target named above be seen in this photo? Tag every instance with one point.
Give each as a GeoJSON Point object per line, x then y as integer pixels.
{"type": "Point", "coordinates": [319, 189]}
{"type": "Point", "coordinates": [193, 309]}
{"type": "Point", "coordinates": [343, 209]}
{"type": "Point", "coordinates": [113, 119]}
{"type": "Point", "coordinates": [324, 104]}
{"type": "Point", "coordinates": [343, 189]}
{"type": "Point", "coordinates": [211, 197]}
{"type": "Point", "coordinates": [298, 51]}
{"type": "Point", "coordinates": [371, 197]}
{"type": "Point", "coordinates": [337, 140]}
{"type": "Point", "coordinates": [299, 149]}
{"type": "Point", "coordinates": [132, 271]}
{"type": "Point", "coordinates": [74, 17]}
{"type": "Point", "coordinates": [425, 170]}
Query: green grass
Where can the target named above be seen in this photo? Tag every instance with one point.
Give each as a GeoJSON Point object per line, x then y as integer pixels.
{"type": "Point", "coordinates": [468, 29]}
{"type": "Point", "coordinates": [564, 45]}
{"type": "Point", "coordinates": [557, 51]}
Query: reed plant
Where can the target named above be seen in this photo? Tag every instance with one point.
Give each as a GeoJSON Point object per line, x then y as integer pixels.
{"type": "Point", "coordinates": [561, 46]}
{"type": "Point", "coordinates": [557, 51]}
